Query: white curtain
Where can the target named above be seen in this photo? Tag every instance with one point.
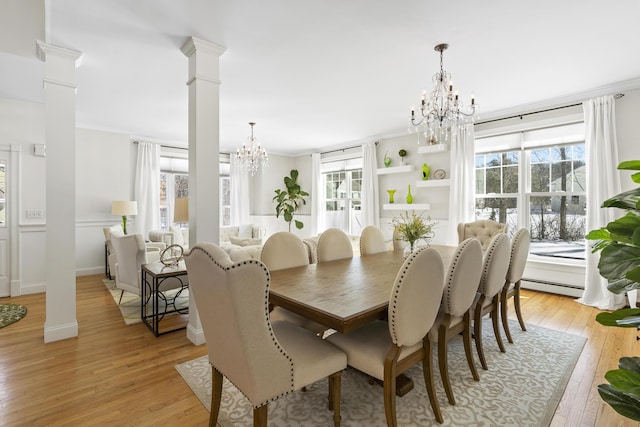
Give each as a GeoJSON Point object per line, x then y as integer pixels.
{"type": "Point", "coordinates": [147, 188]}
{"type": "Point", "coordinates": [370, 194]}
{"type": "Point", "coordinates": [603, 182]}
{"type": "Point", "coordinates": [317, 207]}
{"type": "Point", "coordinates": [239, 188]}
{"type": "Point", "coordinates": [462, 188]}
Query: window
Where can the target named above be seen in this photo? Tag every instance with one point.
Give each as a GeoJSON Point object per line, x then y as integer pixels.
{"type": "Point", "coordinates": [174, 183]}
{"type": "Point", "coordinates": [342, 196]}
{"type": "Point", "coordinates": [536, 179]}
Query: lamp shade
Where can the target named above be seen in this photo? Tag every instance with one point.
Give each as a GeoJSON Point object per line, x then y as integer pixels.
{"type": "Point", "coordinates": [181, 210]}
{"type": "Point", "coordinates": [124, 208]}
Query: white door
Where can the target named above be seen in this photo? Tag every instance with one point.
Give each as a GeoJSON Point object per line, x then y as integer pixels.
{"type": "Point", "coordinates": [5, 283]}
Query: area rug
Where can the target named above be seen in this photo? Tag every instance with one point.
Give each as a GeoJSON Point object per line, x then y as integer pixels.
{"type": "Point", "coordinates": [521, 388]}
{"type": "Point", "coordinates": [11, 313]}
{"type": "Point", "coordinates": [130, 304]}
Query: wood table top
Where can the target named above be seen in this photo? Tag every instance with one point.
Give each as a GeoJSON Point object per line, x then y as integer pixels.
{"type": "Point", "coordinates": [343, 294]}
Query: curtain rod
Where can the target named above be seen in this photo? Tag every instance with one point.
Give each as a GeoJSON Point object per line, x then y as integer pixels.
{"type": "Point", "coordinates": [165, 146]}
{"type": "Point", "coordinates": [343, 149]}
{"type": "Point", "coordinates": [616, 96]}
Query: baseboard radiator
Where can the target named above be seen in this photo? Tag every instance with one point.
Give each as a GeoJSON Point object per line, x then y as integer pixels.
{"type": "Point", "coordinates": [552, 287]}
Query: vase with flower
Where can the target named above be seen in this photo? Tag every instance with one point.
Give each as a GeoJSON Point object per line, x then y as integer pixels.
{"type": "Point", "coordinates": [412, 227]}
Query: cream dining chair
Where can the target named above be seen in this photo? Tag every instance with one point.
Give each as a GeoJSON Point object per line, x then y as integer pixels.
{"type": "Point", "coordinates": [334, 244]}
{"type": "Point", "coordinates": [265, 360]}
{"type": "Point", "coordinates": [519, 254]}
{"type": "Point", "coordinates": [372, 241]}
{"type": "Point", "coordinates": [384, 350]}
{"type": "Point", "coordinates": [286, 250]}
{"type": "Point", "coordinates": [495, 265]}
{"type": "Point", "coordinates": [483, 230]}
{"type": "Point", "coordinates": [461, 284]}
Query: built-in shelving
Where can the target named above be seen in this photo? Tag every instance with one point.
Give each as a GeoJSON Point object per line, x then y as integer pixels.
{"type": "Point", "coordinates": [406, 206]}
{"type": "Point", "coordinates": [437, 148]}
{"type": "Point", "coordinates": [433, 183]}
{"type": "Point", "coordinates": [395, 169]}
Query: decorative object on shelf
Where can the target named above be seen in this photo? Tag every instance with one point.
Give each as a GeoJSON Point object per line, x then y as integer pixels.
{"type": "Point", "coordinates": [413, 227]}
{"type": "Point", "coordinates": [425, 172]}
{"type": "Point", "coordinates": [124, 208]}
{"type": "Point", "coordinates": [387, 160]}
{"type": "Point", "coordinates": [409, 196]}
{"type": "Point", "coordinates": [402, 153]}
{"type": "Point", "coordinates": [290, 199]}
{"type": "Point", "coordinates": [172, 255]}
{"type": "Point", "coordinates": [252, 154]}
{"type": "Point", "coordinates": [444, 110]}
{"type": "Point", "coordinates": [439, 174]}
{"type": "Point", "coordinates": [391, 193]}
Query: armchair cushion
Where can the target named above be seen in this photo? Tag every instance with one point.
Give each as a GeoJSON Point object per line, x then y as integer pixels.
{"type": "Point", "coordinates": [245, 241]}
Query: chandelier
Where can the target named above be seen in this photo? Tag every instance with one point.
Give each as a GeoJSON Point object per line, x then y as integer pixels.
{"type": "Point", "coordinates": [252, 155]}
{"type": "Point", "coordinates": [444, 111]}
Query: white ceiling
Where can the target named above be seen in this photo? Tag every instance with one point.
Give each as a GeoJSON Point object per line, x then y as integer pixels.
{"type": "Point", "coordinates": [318, 74]}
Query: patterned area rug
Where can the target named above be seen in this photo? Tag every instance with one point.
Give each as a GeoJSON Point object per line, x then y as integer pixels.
{"type": "Point", "coordinates": [521, 388]}
{"type": "Point", "coordinates": [11, 313]}
{"type": "Point", "coordinates": [130, 304]}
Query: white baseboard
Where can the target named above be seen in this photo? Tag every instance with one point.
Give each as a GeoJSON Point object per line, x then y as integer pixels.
{"type": "Point", "coordinates": [60, 332]}
{"type": "Point", "coordinates": [552, 288]}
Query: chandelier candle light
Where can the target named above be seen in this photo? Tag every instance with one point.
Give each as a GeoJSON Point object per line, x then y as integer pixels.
{"type": "Point", "coordinates": [252, 155]}
{"type": "Point", "coordinates": [444, 111]}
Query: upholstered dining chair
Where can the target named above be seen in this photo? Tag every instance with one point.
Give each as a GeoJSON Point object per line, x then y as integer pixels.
{"type": "Point", "coordinates": [385, 350]}
{"type": "Point", "coordinates": [372, 241]}
{"type": "Point", "coordinates": [286, 250]}
{"type": "Point", "coordinates": [460, 287]}
{"type": "Point", "coordinates": [334, 244]}
{"type": "Point", "coordinates": [264, 360]}
{"type": "Point", "coordinates": [495, 265]}
{"type": "Point", "coordinates": [483, 230]}
{"type": "Point", "coordinates": [519, 254]}
{"type": "Point", "coordinates": [131, 252]}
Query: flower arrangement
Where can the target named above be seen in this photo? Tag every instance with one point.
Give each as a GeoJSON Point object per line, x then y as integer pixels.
{"type": "Point", "coordinates": [413, 227]}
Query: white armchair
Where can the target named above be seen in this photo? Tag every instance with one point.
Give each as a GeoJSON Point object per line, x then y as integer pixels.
{"type": "Point", "coordinates": [110, 254]}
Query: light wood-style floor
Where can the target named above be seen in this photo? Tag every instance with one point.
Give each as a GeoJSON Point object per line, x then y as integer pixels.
{"type": "Point", "coordinates": [113, 374]}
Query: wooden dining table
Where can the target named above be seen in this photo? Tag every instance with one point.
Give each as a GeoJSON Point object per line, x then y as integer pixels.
{"type": "Point", "coordinates": [345, 294]}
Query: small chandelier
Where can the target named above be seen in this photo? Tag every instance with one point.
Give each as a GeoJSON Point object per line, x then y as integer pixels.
{"type": "Point", "coordinates": [444, 111]}
{"type": "Point", "coordinates": [252, 155]}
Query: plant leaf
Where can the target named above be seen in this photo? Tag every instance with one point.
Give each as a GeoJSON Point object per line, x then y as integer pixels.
{"type": "Point", "coordinates": [599, 234]}
{"type": "Point", "coordinates": [622, 229]}
{"type": "Point", "coordinates": [633, 274]}
{"type": "Point", "coordinates": [609, 318]}
{"type": "Point", "coordinates": [630, 363]}
{"type": "Point", "coordinates": [630, 165]}
{"type": "Point", "coordinates": [294, 174]}
{"type": "Point", "coordinates": [636, 177]}
{"type": "Point", "coordinates": [623, 403]}
{"type": "Point", "coordinates": [624, 380]}
{"type": "Point", "coordinates": [616, 259]}
{"type": "Point", "coordinates": [627, 200]}
{"type": "Point", "coordinates": [622, 285]}
{"type": "Point", "coordinates": [299, 225]}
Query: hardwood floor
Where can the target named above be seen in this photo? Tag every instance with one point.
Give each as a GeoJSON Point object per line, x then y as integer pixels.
{"type": "Point", "coordinates": [113, 374]}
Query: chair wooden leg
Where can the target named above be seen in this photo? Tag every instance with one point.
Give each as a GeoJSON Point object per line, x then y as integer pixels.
{"type": "Point", "coordinates": [334, 396]}
{"type": "Point", "coordinates": [503, 309]}
{"type": "Point", "coordinates": [216, 395]}
{"type": "Point", "coordinates": [494, 321]}
{"type": "Point", "coordinates": [427, 368]}
{"type": "Point", "coordinates": [120, 300]}
{"type": "Point", "coordinates": [466, 339]}
{"type": "Point", "coordinates": [389, 393]}
{"type": "Point", "coordinates": [260, 416]}
{"type": "Point", "coordinates": [477, 334]}
{"type": "Point", "coordinates": [444, 363]}
{"type": "Point", "coordinates": [516, 303]}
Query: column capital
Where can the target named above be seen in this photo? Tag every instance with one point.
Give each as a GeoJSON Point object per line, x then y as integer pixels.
{"type": "Point", "coordinates": [45, 50]}
{"type": "Point", "coordinates": [194, 44]}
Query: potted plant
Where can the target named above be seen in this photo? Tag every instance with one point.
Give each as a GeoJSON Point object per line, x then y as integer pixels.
{"type": "Point", "coordinates": [413, 227]}
{"type": "Point", "coordinates": [619, 246]}
{"type": "Point", "coordinates": [290, 199]}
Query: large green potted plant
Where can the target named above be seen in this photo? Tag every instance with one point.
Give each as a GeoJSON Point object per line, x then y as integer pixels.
{"type": "Point", "coordinates": [290, 199]}
{"type": "Point", "coordinates": [619, 246]}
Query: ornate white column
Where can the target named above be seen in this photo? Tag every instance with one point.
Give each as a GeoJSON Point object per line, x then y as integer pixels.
{"type": "Point", "coordinates": [60, 138]}
{"type": "Point", "coordinates": [204, 153]}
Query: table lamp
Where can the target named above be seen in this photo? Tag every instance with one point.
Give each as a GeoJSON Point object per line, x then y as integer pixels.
{"type": "Point", "coordinates": [124, 208]}
{"type": "Point", "coordinates": [181, 210]}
